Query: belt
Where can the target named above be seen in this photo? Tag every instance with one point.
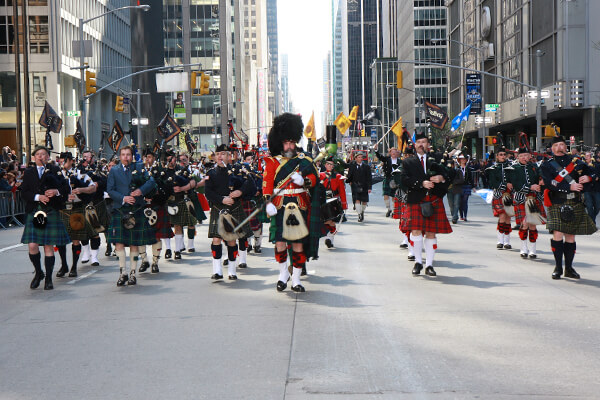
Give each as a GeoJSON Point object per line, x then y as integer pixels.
{"type": "Point", "coordinates": [292, 191]}
{"type": "Point", "coordinates": [566, 196]}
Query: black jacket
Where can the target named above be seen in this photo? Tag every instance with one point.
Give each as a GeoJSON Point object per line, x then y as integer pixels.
{"type": "Point", "coordinates": [412, 176]}
{"type": "Point", "coordinates": [359, 176]}
{"type": "Point", "coordinates": [388, 167]}
{"type": "Point", "coordinates": [51, 179]}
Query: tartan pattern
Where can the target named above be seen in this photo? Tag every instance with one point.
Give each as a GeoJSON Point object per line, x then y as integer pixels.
{"type": "Point", "coordinates": [140, 235]}
{"type": "Point", "coordinates": [183, 217]}
{"type": "Point", "coordinates": [414, 220]}
{"type": "Point", "coordinates": [237, 211]}
{"type": "Point", "coordinates": [88, 230]}
{"type": "Point", "coordinates": [54, 233]}
{"type": "Point", "coordinates": [249, 207]}
{"type": "Point", "coordinates": [497, 207]}
{"type": "Point", "coordinates": [521, 213]}
{"type": "Point", "coordinates": [162, 228]}
{"type": "Point", "coordinates": [200, 215]}
{"type": "Point", "coordinates": [387, 190]}
{"type": "Point", "coordinates": [581, 225]}
{"type": "Point", "coordinates": [397, 210]}
{"type": "Point", "coordinates": [103, 215]}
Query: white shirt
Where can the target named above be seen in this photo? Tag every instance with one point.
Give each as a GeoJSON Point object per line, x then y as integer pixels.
{"type": "Point", "coordinates": [424, 158]}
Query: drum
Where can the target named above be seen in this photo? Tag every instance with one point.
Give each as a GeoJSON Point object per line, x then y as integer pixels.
{"type": "Point", "coordinates": [331, 209]}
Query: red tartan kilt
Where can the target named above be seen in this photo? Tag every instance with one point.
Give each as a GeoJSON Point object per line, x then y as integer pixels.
{"type": "Point", "coordinates": [162, 226]}
{"type": "Point", "coordinates": [521, 214]}
{"type": "Point", "coordinates": [414, 220]}
{"type": "Point", "coordinates": [498, 207]}
{"type": "Point", "coordinates": [203, 202]}
{"type": "Point", "coordinates": [397, 214]}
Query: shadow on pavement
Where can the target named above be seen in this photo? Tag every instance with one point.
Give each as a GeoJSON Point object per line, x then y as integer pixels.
{"type": "Point", "coordinates": [330, 280]}
{"type": "Point", "coordinates": [322, 298]}
{"type": "Point", "coordinates": [453, 265]}
{"type": "Point", "coordinates": [466, 281]}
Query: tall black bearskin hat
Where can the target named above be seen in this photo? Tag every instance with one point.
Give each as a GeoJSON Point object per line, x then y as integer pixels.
{"type": "Point", "coordinates": [501, 149]}
{"type": "Point", "coordinates": [285, 127]}
{"type": "Point", "coordinates": [558, 139]}
{"type": "Point", "coordinates": [523, 150]}
{"type": "Point", "coordinates": [222, 147]}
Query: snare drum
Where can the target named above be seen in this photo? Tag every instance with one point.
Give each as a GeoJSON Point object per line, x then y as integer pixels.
{"type": "Point", "coordinates": [331, 209]}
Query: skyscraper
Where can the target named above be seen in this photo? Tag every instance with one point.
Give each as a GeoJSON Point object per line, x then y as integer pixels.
{"type": "Point", "coordinates": [285, 83]}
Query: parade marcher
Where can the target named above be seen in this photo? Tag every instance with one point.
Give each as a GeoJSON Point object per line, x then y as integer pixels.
{"type": "Point", "coordinates": [592, 195]}
{"type": "Point", "coordinates": [73, 216]}
{"type": "Point", "coordinates": [502, 197]}
{"type": "Point", "coordinates": [390, 163]}
{"type": "Point", "coordinates": [86, 163]}
{"type": "Point", "coordinates": [460, 183]}
{"type": "Point", "coordinates": [334, 189]}
{"type": "Point", "coordinates": [524, 176]}
{"type": "Point", "coordinates": [224, 190]}
{"type": "Point", "coordinates": [127, 185]}
{"type": "Point", "coordinates": [400, 205]}
{"type": "Point", "coordinates": [564, 179]}
{"type": "Point", "coordinates": [290, 173]}
{"type": "Point", "coordinates": [426, 180]}
{"type": "Point", "coordinates": [108, 203]}
{"type": "Point", "coordinates": [361, 180]}
{"type": "Point", "coordinates": [256, 223]}
{"type": "Point", "coordinates": [44, 191]}
{"type": "Point", "coordinates": [193, 174]}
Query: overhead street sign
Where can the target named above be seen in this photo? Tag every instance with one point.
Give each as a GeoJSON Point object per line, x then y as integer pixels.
{"type": "Point", "coordinates": [73, 113]}
{"type": "Point", "coordinates": [491, 107]}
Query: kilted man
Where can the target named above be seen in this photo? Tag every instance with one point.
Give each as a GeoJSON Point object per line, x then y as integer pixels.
{"type": "Point", "coordinates": [44, 191]}
{"type": "Point", "coordinates": [524, 176]}
{"type": "Point", "coordinates": [390, 163]}
{"type": "Point", "coordinates": [224, 190]}
{"type": "Point", "coordinates": [87, 163]}
{"type": "Point", "coordinates": [97, 211]}
{"type": "Point", "coordinates": [256, 223]}
{"type": "Point", "coordinates": [288, 176]}
{"type": "Point", "coordinates": [361, 181]}
{"type": "Point", "coordinates": [127, 185]}
{"type": "Point", "coordinates": [400, 208]}
{"type": "Point", "coordinates": [426, 181]}
{"type": "Point", "coordinates": [195, 175]}
{"type": "Point", "coordinates": [497, 178]}
{"type": "Point", "coordinates": [564, 179]}
{"type": "Point", "coordinates": [335, 192]}
{"type": "Point", "coordinates": [73, 216]}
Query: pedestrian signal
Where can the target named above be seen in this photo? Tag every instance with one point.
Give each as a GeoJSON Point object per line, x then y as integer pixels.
{"type": "Point", "coordinates": [204, 84]}
{"type": "Point", "coordinates": [90, 83]}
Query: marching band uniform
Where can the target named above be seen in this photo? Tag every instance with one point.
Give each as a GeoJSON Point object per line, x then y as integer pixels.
{"type": "Point", "coordinates": [43, 183]}
{"type": "Point", "coordinates": [361, 180]}
{"type": "Point", "coordinates": [400, 208]}
{"type": "Point", "coordinates": [564, 176]}
{"type": "Point", "coordinates": [101, 218]}
{"type": "Point", "coordinates": [425, 213]}
{"type": "Point", "coordinates": [334, 188]}
{"type": "Point", "coordinates": [497, 179]}
{"type": "Point", "coordinates": [390, 163]}
{"type": "Point", "coordinates": [292, 172]}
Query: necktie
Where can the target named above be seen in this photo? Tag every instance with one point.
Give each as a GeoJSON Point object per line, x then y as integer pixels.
{"type": "Point", "coordinates": [40, 171]}
{"type": "Point", "coordinates": [423, 162]}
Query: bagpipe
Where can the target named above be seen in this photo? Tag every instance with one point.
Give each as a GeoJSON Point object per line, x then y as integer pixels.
{"type": "Point", "coordinates": [50, 180]}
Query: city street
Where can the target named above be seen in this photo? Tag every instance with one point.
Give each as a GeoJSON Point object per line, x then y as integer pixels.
{"type": "Point", "coordinates": [489, 326]}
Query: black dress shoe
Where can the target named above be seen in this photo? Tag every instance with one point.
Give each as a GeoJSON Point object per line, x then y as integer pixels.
{"type": "Point", "coordinates": [145, 265]}
{"type": "Point", "coordinates": [507, 247]}
{"type": "Point", "coordinates": [556, 274]}
{"type": "Point", "coordinates": [226, 261]}
{"type": "Point", "coordinates": [243, 265]}
{"type": "Point", "coordinates": [192, 250]}
{"type": "Point", "coordinates": [430, 271]}
{"type": "Point", "coordinates": [257, 250]}
{"type": "Point", "coordinates": [532, 256]}
{"type": "Point", "coordinates": [73, 272]}
{"type": "Point", "coordinates": [249, 248]}
{"type": "Point", "coordinates": [328, 243]}
{"type": "Point", "coordinates": [500, 246]}
{"type": "Point", "coordinates": [167, 254]}
{"type": "Point", "coordinates": [95, 264]}
{"type": "Point", "coordinates": [132, 280]}
{"type": "Point", "coordinates": [35, 283]}
{"type": "Point", "coordinates": [216, 276]}
{"type": "Point", "coordinates": [454, 221]}
{"type": "Point", "coordinates": [48, 283]}
{"type": "Point", "coordinates": [281, 286]}
{"type": "Point", "coordinates": [62, 271]}
{"type": "Point", "coordinates": [298, 289]}
{"type": "Point", "coordinates": [571, 273]}
{"type": "Point", "coordinates": [122, 280]}
{"type": "Point", "coordinates": [388, 213]}
{"type": "Point", "coordinates": [108, 252]}
{"type": "Point", "coordinates": [303, 272]}
{"type": "Point", "coordinates": [411, 258]}
{"type": "Point", "coordinates": [177, 255]}
{"type": "Point", "coordinates": [404, 246]}
{"type": "Point", "coordinates": [524, 255]}
{"type": "Point", "coordinates": [154, 268]}
{"type": "Point", "coordinates": [232, 277]}
{"type": "Point", "coordinates": [417, 269]}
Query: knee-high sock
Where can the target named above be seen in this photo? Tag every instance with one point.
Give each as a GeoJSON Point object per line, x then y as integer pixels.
{"type": "Point", "coordinates": [156, 249]}
{"type": "Point", "coordinates": [500, 232]}
{"type": "Point", "coordinates": [430, 247]}
{"type": "Point", "coordinates": [133, 259]}
{"type": "Point", "coordinates": [232, 253]}
{"type": "Point", "coordinates": [404, 238]}
{"type": "Point", "coordinates": [62, 252]}
{"type": "Point", "coordinates": [76, 250]}
{"type": "Point", "coordinates": [142, 253]}
{"type": "Point", "coordinates": [178, 242]}
{"type": "Point", "coordinates": [281, 257]}
{"type": "Point", "coordinates": [411, 244]}
{"type": "Point", "coordinates": [122, 261]}
{"type": "Point", "coordinates": [49, 265]}
{"type": "Point", "coordinates": [217, 253]}
{"type": "Point", "coordinates": [36, 261]}
{"type": "Point", "coordinates": [298, 262]}
{"type": "Point", "coordinates": [243, 251]}
{"type": "Point", "coordinates": [523, 233]}
{"type": "Point", "coordinates": [191, 234]}
{"type": "Point", "coordinates": [570, 249]}
{"type": "Point", "coordinates": [95, 246]}
{"type": "Point", "coordinates": [85, 250]}
{"type": "Point", "coordinates": [257, 237]}
{"type": "Point", "coordinates": [387, 202]}
{"type": "Point", "coordinates": [359, 208]}
{"type": "Point", "coordinates": [167, 243]}
{"type": "Point", "coordinates": [507, 231]}
{"type": "Point", "coordinates": [558, 251]}
{"type": "Point", "coordinates": [418, 247]}
{"type": "Point", "coordinates": [533, 235]}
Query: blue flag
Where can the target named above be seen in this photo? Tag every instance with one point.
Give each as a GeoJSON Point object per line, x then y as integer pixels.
{"type": "Point", "coordinates": [462, 116]}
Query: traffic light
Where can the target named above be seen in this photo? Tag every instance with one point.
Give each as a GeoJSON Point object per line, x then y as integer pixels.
{"type": "Point", "coordinates": [119, 104]}
{"type": "Point", "coordinates": [90, 83]}
{"type": "Point", "coordinates": [204, 84]}
{"type": "Point", "coordinates": [193, 81]}
{"type": "Point", "coordinates": [399, 79]}
{"type": "Point", "coordinates": [490, 140]}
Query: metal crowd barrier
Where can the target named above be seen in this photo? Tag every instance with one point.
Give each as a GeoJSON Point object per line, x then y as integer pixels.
{"type": "Point", "coordinates": [11, 206]}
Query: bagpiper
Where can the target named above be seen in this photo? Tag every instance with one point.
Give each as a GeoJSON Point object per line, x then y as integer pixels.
{"type": "Point", "coordinates": [336, 203]}
{"type": "Point", "coordinates": [390, 164]}
{"type": "Point", "coordinates": [502, 202]}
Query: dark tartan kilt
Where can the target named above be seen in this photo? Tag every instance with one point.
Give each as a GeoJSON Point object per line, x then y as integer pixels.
{"type": "Point", "coordinates": [103, 214]}
{"type": "Point", "coordinates": [54, 233]}
{"type": "Point", "coordinates": [397, 213]}
{"type": "Point", "coordinates": [88, 230]}
{"type": "Point", "coordinates": [414, 220]}
{"type": "Point", "coordinates": [278, 222]}
{"type": "Point", "coordinates": [237, 211]}
{"type": "Point", "coordinates": [362, 196]}
{"type": "Point", "coordinates": [163, 226]}
{"type": "Point", "coordinates": [249, 207]}
{"type": "Point", "coordinates": [140, 235]}
{"type": "Point", "coordinates": [183, 217]}
{"type": "Point", "coordinates": [581, 225]}
{"type": "Point", "coordinates": [387, 190]}
{"type": "Point", "coordinates": [262, 216]}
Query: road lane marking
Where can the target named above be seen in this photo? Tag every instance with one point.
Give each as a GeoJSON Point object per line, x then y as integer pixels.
{"type": "Point", "coordinates": [11, 247]}
{"type": "Point", "coordinates": [80, 277]}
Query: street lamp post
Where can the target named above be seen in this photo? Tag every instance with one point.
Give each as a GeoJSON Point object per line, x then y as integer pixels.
{"type": "Point", "coordinates": [538, 111]}
{"type": "Point", "coordinates": [219, 106]}
{"type": "Point", "coordinates": [82, 67]}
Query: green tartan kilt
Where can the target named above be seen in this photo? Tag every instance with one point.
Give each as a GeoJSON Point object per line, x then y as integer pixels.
{"type": "Point", "coordinates": [262, 216]}
{"type": "Point", "coordinates": [87, 232]}
{"type": "Point", "coordinates": [183, 217]}
{"type": "Point", "coordinates": [276, 228]}
{"type": "Point", "coordinates": [387, 190]}
{"type": "Point", "coordinates": [54, 233]}
{"type": "Point", "coordinates": [237, 211]}
{"type": "Point", "coordinates": [140, 235]}
{"type": "Point", "coordinates": [103, 215]}
{"type": "Point", "coordinates": [581, 225]}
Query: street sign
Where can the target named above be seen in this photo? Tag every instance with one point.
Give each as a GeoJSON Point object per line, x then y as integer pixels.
{"type": "Point", "coordinates": [126, 105]}
{"type": "Point", "coordinates": [142, 121]}
{"type": "Point", "coordinates": [74, 113]}
{"type": "Point", "coordinates": [491, 107]}
{"type": "Point", "coordinates": [473, 82]}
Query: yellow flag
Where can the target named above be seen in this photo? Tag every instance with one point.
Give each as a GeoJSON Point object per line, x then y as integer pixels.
{"type": "Point", "coordinates": [353, 114]}
{"type": "Point", "coordinates": [309, 130]}
{"type": "Point", "coordinates": [397, 128]}
{"type": "Point", "coordinates": [342, 123]}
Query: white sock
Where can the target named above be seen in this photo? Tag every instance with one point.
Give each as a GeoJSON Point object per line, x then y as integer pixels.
{"type": "Point", "coordinates": [122, 260]}
{"type": "Point", "coordinates": [257, 240]}
{"type": "Point", "coordinates": [85, 252]}
{"type": "Point", "coordinates": [418, 248]}
{"type": "Point", "coordinates": [284, 274]}
{"type": "Point", "coordinates": [524, 249]}
{"type": "Point", "coordinates": [231, 267]}
{"type": "Point", "coordinates": [358, 208]}
{"type": "Point", "coordinates": [404, 238]}
{"type": "Point", "coordinates": [178, 242]}
{"type": "Point", "coordinates": [242, 256]}
{"type": "Point", "coordinates": [217, 266]}
{"type": "Point", "coordinates": [430, 245]}
{"type": "Point", "coordinates": [167, 243]}
{"type": "Point", "coordinates": [507, 238]}
{"type": "Point", "coordinates": [296, 276]}
{"type": "Point", "coordinates": [190, 243]}
{"type": "Point", "coordinates": [330, 236]}
{"type": "Point", "coordinates": [94, 255]}
{"type": "Point", "coordinates": [532, 246]}
{"type": "Point", "coordinates": [500, 237]}
{"type": "Point", "coordinates": [133, 260]}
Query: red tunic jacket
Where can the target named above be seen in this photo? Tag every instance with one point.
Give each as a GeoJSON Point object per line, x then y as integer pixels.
{"type": "Point", "coordinates": [337, 186]}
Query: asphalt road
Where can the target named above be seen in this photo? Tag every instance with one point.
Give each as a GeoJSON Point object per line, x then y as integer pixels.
{"type": "Point", "coordinates": [489, 326]}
